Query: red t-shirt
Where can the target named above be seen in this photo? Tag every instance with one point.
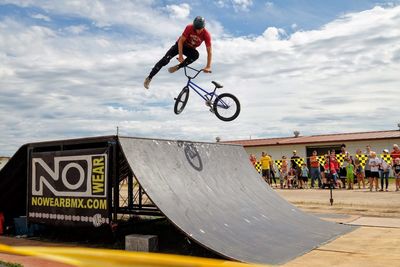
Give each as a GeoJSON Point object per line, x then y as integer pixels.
{"type": "Point", "coordinates": [314, 162]}
{"type": "Point", "coordinates": [334, 162]}
{"type": "Point", "coordinates": [253, 160]}
{"type": "Point", "coordinates": [395, 154]}
{"type": "Point", "coordinates": [193, 39]}
{"type": "Point", "coordinates": [332, 167]}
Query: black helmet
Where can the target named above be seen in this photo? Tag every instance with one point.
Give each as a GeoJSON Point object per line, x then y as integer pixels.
{"type": "Point", "coordinates": [199, 22]}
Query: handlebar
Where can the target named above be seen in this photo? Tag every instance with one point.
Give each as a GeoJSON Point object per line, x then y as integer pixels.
{"type": "Point", "coordinates": [196, 70]}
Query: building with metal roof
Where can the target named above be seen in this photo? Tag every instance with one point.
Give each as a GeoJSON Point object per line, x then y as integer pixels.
{"type": "Point", "coordinates": [304, 145]}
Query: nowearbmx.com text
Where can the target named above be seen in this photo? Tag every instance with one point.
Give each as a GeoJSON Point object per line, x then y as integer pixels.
{"type": "Point", "coordinates": [76, 203]}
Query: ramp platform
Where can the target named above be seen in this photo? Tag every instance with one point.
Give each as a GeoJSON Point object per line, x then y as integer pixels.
{"type": "Point", "coordinates": [212, 194]}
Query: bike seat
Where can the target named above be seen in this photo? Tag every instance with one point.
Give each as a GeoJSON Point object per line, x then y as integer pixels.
{"type": "Point", "coordinates": [217, 84]}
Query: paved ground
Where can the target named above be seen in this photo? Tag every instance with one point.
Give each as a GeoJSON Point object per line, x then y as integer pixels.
{"type": "Point", "coordinates": [357, 202]}
{"type": "Point", "coordinates": [365, 247]}
{"type": "Point", "coordinates": [375, 243]}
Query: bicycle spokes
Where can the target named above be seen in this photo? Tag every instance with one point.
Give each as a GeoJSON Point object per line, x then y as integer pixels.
{"type": "Point", "coordinates": [225, 104]}
{"type": "Point", "coordinates": [181, 100]}
{"type": "Point", "coordinates": [226, 107]}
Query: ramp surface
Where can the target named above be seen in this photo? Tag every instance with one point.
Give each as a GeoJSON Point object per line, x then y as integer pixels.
{"type": "Point", "coordinates": [212, 193]}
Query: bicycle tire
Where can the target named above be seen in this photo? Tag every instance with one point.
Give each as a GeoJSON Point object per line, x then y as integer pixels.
{"type": "Point", "coordinates": [225, 102]}
{"type": "Point", "coordinates": [181, 100]}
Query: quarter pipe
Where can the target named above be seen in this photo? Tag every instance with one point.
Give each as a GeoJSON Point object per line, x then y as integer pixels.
{"type": "Point", "coordinates": [212, 194]}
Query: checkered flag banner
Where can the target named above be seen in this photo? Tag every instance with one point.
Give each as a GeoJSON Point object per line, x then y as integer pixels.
{"type": "Point", "coordinates": [321, 160]}
{"type": "Point", "coordinates": [299, 161]}
{"type": "Point", "coordinates": [278, 164]}
{"type": "Point", "coordinates": [258, 166]}
{"type": "Point", "coordinates": [340, 158]}
{"type": "Point", "coordinates": [362, 158]}
{"type": "Point", "coordinates": [387, 158]}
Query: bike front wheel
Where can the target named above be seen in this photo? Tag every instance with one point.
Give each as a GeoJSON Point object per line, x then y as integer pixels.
{"type": "Point", "coordinates": [181, 100]}
{"type": "Point", "coordinates": [226, 107]}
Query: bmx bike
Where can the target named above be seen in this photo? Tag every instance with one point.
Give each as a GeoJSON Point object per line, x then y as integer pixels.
{"type": "Point", "coordinates": [225, 106]}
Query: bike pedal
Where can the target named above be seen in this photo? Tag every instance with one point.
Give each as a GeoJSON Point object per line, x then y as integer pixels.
{"type": "Point", "coordinates": [211, 110]}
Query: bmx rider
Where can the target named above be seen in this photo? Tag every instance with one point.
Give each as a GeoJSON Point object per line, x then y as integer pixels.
{"type": "Point", "coordinates": [192, 37]}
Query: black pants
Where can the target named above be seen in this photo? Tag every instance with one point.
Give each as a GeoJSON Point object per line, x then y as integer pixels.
{"type": "Point", "coordinates": [272, 177]}
{"type": "Point", "coordinates": [190, 53]}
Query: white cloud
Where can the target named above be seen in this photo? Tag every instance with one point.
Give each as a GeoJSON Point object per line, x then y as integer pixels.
{"type": "Point", "coordinates": [55, 85]}
{"type": "Point", "coordinates": [269, 4]}
{"type": "Point", "coordinates": [76, 29]}
{"type": "Point", "coordinates": [242, 5]}
{"type": "Point", "coordinates": [237, 5]}
{"type": "Point", "coordinates": [273, 33]}
{"type": "Point", "coordinates": [181, 11]}
{"type": "Point", "coordinates": [317, 78]}
{"type": "Point", "coordinates": [41, 17]}
{"type": "Point", "coordinates": [221, 3]}
{"type": "Point", "coordinates": [140, 15]}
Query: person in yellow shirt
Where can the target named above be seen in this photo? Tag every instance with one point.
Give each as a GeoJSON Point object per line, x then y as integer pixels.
{"type": "Point", "coordinates": [265, 166]}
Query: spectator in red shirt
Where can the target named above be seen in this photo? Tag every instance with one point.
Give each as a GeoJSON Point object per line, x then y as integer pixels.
{"type": "Point", "coordinates": [332, 167]}
{"type": "Point", "coordinates": [253, 159]}
{"type": "Point", "coordinates": [334, 160]}
{"type": "Point", "coordinates": [395, 153]}
{"type": "Point", "coordinates": [192, 37]}
{"type": "Point", "coordinates": [315, 172]}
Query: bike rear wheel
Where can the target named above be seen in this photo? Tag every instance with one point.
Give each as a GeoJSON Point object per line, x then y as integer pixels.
{"type": "Point", "coordinates": [226, 107]}
{"type": "Point", "coordinates": [181, 100]}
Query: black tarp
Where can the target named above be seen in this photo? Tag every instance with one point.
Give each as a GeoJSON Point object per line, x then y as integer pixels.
{"type": "Point", "coordinates": [13, 185]}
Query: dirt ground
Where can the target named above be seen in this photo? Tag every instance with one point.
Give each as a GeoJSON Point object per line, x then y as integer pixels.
{"type": "Point", "coordinates": [375, 243]}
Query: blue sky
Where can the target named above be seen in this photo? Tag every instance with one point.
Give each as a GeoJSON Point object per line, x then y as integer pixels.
{"type": "Point", "coordinates": [237, 17]}
{"type": "Point", "coordinates": [255, 17]}
{"type": "Point", "coordinates": [76, 68]}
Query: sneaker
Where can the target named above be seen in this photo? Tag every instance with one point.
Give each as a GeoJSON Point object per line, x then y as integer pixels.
{"type": "Point", "coordinates": [146, 83]}
{"type": "Point", "coordinates": [173, 69]}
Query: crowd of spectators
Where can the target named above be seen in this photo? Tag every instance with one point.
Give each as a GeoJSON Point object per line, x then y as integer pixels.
{"type": "Point", "coordinates": [331, 170]}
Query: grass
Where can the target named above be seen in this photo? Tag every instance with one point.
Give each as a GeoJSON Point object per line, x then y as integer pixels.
{"type": "Point", "coordinates": [9, 264]}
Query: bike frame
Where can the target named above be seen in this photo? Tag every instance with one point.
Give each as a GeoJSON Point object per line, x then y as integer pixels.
{"type": "Point", "coordinates": [214, 101]}
{"type": "Point", "coordinates": [208, 96]}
